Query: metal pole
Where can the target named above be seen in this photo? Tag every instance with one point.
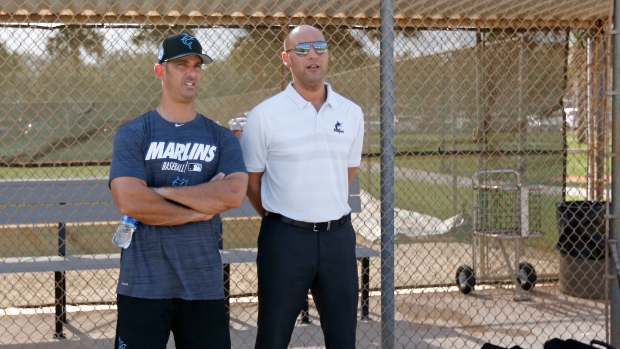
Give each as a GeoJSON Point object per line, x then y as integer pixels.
{"type": "Point", "coordinates": [365, 288]}
{"type": "Point", "coordinates": [524, 109]}
{"type": "Point", "coordinates": [481, 101]}
{"type": "Point", "coordinates": [614, 232]}
{"type": "Point", "coordinates": [60, 288]}
{"type": "Point", "coordinates": [590, 119]}
{"type": "Point", "coordinates": [386, 111]}
{"type": "Point", "coordinates": [453, 111]}
{"type": "Point", "coordinates": [482, 122]}
{"type": "Point", "coordinates": [524, 102]}
{"type": "Point", "coordinates": [564, 140]}
{"type": "Point", "coordinates": [599, 115]}
{"type": "Point", "coordinates": [443, 121]}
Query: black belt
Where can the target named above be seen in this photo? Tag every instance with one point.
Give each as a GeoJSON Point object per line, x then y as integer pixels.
{"type": "Point", "coordinates": [317, 227]}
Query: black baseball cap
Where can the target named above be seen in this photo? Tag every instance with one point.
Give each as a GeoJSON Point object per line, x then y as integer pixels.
{"type": "Point", "coordinates": [181, 45]}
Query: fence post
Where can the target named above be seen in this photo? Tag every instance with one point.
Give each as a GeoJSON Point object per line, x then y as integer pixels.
{"type": "Point", "coordinates": [386, 111]}
{"type": "Point", "coordinates": [614, 231]}
{"type": "Point", "coordinates": [60, 295]}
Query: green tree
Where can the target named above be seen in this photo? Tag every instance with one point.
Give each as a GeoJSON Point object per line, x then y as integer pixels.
{"type": "Point", "coordinates": [13, 75]}
{"type": "Point", "coordinates": [254, 63]}
{"type": "Point", "coordinates": [346, 52]}
{"type": "Point", "coordinates": [153, 36]}
{"type": "Point", "coordinates": [70, 42]}
{"type": "Point", "coordinates": [68, 74]}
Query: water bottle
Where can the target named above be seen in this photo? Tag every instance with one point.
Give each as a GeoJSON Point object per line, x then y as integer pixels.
{"type": "Point", "coordinates": [124, 232]}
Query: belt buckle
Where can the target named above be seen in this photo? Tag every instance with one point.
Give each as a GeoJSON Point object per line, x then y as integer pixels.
{"type": "Point", "coordinates": [314, 229]}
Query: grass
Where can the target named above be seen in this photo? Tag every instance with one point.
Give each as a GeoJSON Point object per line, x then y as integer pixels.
{"type": "Point", "coordinates": [444, 201]}
{"type": "Point", "coordinates": [54, 172]}
{"type": "Point", "coordinates": [437, 200]}
{"type": "Point", "coordinates": [407, 141]}
{"type": "Point", "coordinates": [539, 167]}
{"type": "Point", "coordinates": [96, 239]}
{"type": "Point", "coordinates": [43, 240]}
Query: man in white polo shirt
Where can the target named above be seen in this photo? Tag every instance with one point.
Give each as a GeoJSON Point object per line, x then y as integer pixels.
{"type": "Point", "coordinates": [302, 149]}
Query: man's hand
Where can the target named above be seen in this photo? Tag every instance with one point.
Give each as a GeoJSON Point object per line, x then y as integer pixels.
{"type": "Point", "coordinates": [218, 177]}
{"type": "Point", "coordinates": [203, 217]}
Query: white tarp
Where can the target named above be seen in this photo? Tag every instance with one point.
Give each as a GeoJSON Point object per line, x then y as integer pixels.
{"type": "Point", "coordinates": [368, 222]}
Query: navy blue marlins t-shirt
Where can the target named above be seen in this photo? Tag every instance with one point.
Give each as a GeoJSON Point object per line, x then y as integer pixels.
{"type": "Point", "coordinates": [180, 261]}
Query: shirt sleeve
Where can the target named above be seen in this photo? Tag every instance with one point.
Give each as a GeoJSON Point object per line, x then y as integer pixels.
{"type": "Point", "coordinates": [231, 159]}
{"type": "Point", "coordinates": [253, 143]}
{"type": "Point", "coordinates": [128, 154]}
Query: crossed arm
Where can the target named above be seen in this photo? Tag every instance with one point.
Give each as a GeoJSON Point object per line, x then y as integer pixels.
{"type": "Point", "coordinates": [178, 205]}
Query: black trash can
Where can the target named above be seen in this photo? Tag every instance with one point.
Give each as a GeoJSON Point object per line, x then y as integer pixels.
{"type": "Point", "coordinates": [581, 244]}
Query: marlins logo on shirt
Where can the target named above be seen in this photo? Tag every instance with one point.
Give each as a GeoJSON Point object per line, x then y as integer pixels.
{"type": "Point", "coordinates": [180, 182]}
{"type": "Point", "coordinates": [338, 127]}
{"type": "Point", "coordinates": [180, 151]}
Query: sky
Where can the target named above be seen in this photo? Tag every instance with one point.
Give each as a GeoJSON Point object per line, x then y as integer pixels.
{"type": "Point", "coordinates": [218, 42]}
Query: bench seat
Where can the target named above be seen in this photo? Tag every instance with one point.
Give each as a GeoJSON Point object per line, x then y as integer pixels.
{"type": "Point", "coordinates": [66, 202]}
{"type": "Point", "coordinates": [111, 261]}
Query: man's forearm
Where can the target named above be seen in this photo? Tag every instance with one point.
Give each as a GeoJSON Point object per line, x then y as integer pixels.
{"type": "Point", "coordinates": [169, 214]}
{"type": "Point", "coordinates": [133, 198]}
{"type": "Point", "coordinates": [256, 202]}
{"type": "Point", "coordinates": [254, 192]}
{"type": "Point", "coordinates": [211, 198]}
{"type": "Point", "coordinates": [351, 174]}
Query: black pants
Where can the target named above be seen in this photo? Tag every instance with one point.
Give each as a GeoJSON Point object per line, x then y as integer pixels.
{"type": "Point", "coordinates": [293, 260]}
{"type": "Point", "coordinates": [147, 323]}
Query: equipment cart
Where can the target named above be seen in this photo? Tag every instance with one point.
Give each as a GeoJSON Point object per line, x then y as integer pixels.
{"type": "Point", "coordinates": [503, 210]}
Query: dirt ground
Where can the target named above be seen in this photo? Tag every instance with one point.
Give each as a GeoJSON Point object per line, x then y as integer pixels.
{"type": "Point", "coordinates": [423, 318]}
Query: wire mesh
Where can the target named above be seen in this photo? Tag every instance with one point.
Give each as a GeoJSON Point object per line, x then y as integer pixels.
{"type": "Point", "coordinates": [478, 86]}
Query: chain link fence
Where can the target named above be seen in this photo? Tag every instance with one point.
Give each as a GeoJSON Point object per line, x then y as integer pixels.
{"type": "Point", "coordinates": [501, 130]}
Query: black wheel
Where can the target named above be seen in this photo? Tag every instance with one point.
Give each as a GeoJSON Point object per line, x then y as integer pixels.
{"type": "Point", "coordinates": [465, 279]}
{"type": "Point", "coordinates": [526, 276]}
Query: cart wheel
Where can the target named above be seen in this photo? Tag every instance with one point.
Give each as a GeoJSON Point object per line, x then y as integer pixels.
{"type": "Point", "coordinates": [526, 276]}
{"type": "Point", "coordinates": [465, 279]}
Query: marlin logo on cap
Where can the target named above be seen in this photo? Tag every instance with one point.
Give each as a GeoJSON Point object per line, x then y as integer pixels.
{"type": "Point", "coordinates": [187, 40]}
{"type": "Point", "coordinates": [180, 45]}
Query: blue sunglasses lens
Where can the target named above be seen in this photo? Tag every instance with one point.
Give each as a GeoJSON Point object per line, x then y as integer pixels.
{"type": "Point", "coordinates": [303, 48]}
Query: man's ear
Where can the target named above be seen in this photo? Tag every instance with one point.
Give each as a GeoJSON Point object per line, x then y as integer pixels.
{"type": "Point", "coordinates": [285, 59]}
{"type": "Point", "coordinates": [159, 70]}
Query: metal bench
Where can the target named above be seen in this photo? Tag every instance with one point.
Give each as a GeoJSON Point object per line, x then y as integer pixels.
{"type": "Point", "coordinates": [62, 201]}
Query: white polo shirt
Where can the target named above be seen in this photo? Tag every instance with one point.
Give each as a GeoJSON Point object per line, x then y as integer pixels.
{"type": "Point", "coordinates": [304, 155]}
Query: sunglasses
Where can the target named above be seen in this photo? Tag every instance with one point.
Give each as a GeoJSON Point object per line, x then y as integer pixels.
{"type": "Point", "coordinates": [303, 48]}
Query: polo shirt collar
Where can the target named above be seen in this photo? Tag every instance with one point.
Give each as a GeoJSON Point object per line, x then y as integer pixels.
{"type": "Point", "coordinates": [301, 102]}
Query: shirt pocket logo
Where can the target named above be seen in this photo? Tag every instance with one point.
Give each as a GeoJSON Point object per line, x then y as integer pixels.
{"type": "Point", "coordinates": [338, 127]}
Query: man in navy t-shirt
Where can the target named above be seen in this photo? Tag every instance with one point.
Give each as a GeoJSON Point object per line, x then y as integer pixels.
{"type": "Point", "coordinates": [174, 170]}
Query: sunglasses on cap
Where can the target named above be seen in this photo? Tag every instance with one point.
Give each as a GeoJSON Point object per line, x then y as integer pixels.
{"type": "Point", "coordinates": [303, 48]}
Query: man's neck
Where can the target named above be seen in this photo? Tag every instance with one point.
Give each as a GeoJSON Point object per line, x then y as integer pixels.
{"type": "Point", "coordinates": [177, 112]}
{"type": "Point", "coordinates": [317, 95]}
